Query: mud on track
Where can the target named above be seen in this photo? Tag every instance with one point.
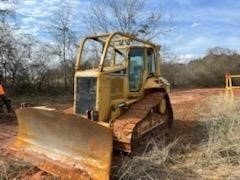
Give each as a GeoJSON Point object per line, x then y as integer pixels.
{"type": "Point", "coordinates": [183, 102]}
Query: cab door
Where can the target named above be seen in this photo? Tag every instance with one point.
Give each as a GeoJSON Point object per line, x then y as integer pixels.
{"type": "Point", "coordinates": [136, 68]}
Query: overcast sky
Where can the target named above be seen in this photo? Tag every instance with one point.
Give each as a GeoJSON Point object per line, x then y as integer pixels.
{"type": "Point", "coordinates": [197, 24]}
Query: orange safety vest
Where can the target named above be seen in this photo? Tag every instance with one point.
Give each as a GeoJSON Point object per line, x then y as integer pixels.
{"type": "Point", "coordinates": [2, 92]}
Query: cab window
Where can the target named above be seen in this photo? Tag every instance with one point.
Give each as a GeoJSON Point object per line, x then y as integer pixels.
{"type": "Point", "coordinates": [151, 61]}
{"type": "Point", "coordinates": [136, 68]}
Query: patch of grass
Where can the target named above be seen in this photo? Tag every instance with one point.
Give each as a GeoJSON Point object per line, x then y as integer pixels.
{"type": "Point", "coordinates": [222, 118]}
{"type": "Point", "coordinates": [10, 169]}
{"type": "Point", "coordinates": [59, 102]}
{"type": "Point", "coordinates": [151, 164]}
{"type": "Point", "coordinates": [215, 155]}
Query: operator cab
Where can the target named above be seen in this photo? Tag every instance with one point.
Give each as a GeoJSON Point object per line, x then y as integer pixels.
{"type": "Point", "coordinates": [112, 68]}
{"type": "Point", "coordinates": [136, 66]}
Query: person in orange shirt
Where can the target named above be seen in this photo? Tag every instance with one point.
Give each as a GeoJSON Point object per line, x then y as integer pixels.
{"type": "Point", "coordinates": [3, 96]}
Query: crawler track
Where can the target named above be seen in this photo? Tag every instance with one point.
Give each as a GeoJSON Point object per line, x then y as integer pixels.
{"type": "Point", "coordinates": [140, 120]}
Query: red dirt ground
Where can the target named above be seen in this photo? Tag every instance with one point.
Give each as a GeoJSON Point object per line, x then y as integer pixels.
{"type": "Point", "coordinates": [183, 102]}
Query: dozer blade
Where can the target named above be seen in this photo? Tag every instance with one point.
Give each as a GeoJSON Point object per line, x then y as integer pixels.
{"type": "Point", "coordinates": [65, 145]}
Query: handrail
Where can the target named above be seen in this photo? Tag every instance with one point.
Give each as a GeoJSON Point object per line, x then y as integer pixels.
{"type": "Point", "coordinates": [108, 38]}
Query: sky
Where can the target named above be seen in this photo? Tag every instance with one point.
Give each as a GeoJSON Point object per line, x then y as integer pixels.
{"type": "Point", "coordinates": [196, 25]}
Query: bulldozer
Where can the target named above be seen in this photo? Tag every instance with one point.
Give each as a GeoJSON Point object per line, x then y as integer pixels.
{"type": "Point", "coordinates": [120, 99]}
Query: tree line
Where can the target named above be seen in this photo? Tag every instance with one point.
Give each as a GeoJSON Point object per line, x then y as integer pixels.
{"type": "Point", "coordinates": [208, 71]}
{"type": "Point", "coordinates": [29, 65]}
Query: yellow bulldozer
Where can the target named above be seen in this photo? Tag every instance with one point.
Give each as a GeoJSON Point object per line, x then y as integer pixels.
{"type": "Point", "coordinates": [120, 99]}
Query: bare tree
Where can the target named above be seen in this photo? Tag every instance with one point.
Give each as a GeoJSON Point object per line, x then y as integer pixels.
{"type": "Point", "coordinates": [220, 51]}
{"type": "Point", "coordinates": [17, 58]}
{"type": "Point", "coordinates": [129, 16]}
{"type": "Point", "coordinates": [6, 34]}
{"type": "Point", "coordinates": [60, 27]}
{"type": "Point", "coordinates": [39, 64]}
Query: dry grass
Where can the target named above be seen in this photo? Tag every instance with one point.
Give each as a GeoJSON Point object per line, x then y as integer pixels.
{"type": "Point", "coordinates": [10, 169]}
{"type": "Point", "coordinates": [151, 164]}
{"type": "Point", "coordinates": [222, 118]}
{"type": "Point", "coordinates": [59, 102]}
{"type": "Point", "coordinates": [215, 155]}
{"type": "Point", "coordinates": [17, 169]}
{"type": "Point", "coordinates": [218, 154]}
